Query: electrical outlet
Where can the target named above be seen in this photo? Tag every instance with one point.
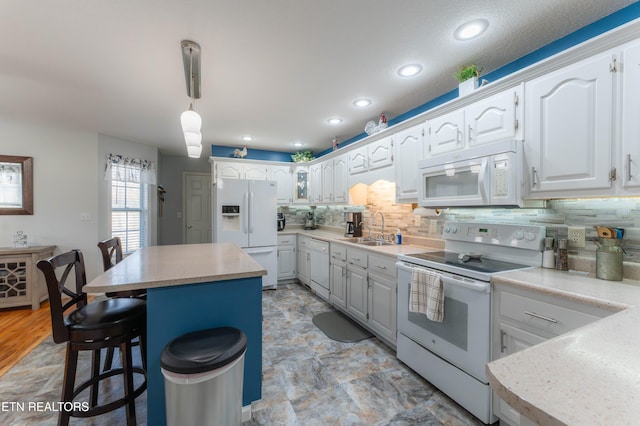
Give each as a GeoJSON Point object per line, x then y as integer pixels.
{"type": "Point", "coordinates": [576, 236]}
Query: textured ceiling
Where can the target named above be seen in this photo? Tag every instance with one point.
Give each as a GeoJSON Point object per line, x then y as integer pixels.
{"type": "Point", "coordinates": [275, 70]}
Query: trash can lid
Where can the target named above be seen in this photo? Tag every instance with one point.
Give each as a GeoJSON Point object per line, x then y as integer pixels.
{"type": "Point", "coordinates": [204, 350]}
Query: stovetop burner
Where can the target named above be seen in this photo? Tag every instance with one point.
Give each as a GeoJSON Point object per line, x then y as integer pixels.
{"type": "Point", "coordinates": [482, 264]}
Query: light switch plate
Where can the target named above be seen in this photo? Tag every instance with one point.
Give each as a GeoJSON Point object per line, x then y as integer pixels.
{"type": "Point", "coordinates": [576, 236]}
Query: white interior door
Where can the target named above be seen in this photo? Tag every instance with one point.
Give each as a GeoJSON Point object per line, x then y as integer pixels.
{"type": "Point", "coordinates": [197, 201]}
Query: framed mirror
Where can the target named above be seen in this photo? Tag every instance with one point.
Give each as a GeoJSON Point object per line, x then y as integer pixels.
{"type": "Point", "coordinates": [16, 185]}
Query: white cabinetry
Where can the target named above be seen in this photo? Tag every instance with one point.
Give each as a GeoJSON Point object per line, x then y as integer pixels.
{"type": "Point", "coordinates": [334, 180]}
{"type": "Point", "coordinates": [569, 134]}
{"type": "Point", "coordinates": [338, 275]}
{"type": "Point", "coordinates": [371, 162]}
{"type": "Point", "coordinates": [240, 170]}
{"type": "Point", "coordinates": [304, 259]}
{"type": "Point", "coordinates": [630, 150]}
{"type": "Point", "coordinates": [409, 149]}
{"type": "Point", "coordinates": [382, 297]}
{"type": "Point", "coordinates": [282, 176]}
{"type": "Point", "coordinates": [286, 257]}
{"type": "Point", "coordinates": [524, 318]}
{"type": "Point", "coordinates": [315, 183]}
{"type": "Point", "coordinates": [495, 118]}
{"type": "Point", "coordinates": [357, 284]}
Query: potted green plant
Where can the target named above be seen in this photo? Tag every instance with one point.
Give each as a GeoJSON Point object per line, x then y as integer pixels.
{"type": "Point", "coordinates": [467, 76]}
{"type": "Point", "coordinates": [302, 156]}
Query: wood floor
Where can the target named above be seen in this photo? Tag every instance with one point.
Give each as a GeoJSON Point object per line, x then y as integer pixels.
{"type": "Point", "coordinates": [21, 330]}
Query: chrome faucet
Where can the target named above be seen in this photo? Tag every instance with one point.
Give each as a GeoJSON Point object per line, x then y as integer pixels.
{"type": "Point", "coordinates": [374, 221]}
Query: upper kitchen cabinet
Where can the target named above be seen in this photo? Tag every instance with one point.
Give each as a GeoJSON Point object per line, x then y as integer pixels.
{"type": "Point", "coordinates": [371, 162]}
{"type": "Point", "coordinates": [301, 185]}
{"type": "Point", "coordinates": [282, 176]}
{"type": "Point", "coordinates": [240, 170]}
{"type": "Point", "coordinates": [334, 180]}
{"type": "Point", "coordinates": [409, 149]}
{"type": "Point", "coordinates": [492, 119]}
{"type": "Point", "coordinates": [495, 118]}
{"type": "Point", "coordinates": [568, 136]}
{"type": "Point", "coordinates": [445, 133]}
{"type": "Point", "coordinates": [315, 183]}
{"type": "Point", "coordinates": [630, 150]}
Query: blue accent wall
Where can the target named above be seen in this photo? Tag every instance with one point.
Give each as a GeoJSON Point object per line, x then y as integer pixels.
{"type": "Point", "coordinates": [252, 154]}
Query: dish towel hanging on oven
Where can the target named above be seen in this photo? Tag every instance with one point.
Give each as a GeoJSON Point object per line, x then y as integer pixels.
{"type": "Point", "coordinates": [426, 295]}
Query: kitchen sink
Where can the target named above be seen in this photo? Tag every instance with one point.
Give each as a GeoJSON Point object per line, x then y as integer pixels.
{"type": "Point", "coordinates": [366, 242]}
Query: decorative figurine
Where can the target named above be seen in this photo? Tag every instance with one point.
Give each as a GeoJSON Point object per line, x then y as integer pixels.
{"type": "Point", "coordinates": [334, 143]}
{"type": "Point", "coordinates": [237, 153]}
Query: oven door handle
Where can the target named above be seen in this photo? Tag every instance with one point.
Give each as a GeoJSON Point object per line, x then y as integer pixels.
{"type": "Point", "coordinates": [479, 286]}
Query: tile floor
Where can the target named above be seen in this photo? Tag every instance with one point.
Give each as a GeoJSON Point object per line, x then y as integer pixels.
{"type": "Point", "coordinates": [308, 379]}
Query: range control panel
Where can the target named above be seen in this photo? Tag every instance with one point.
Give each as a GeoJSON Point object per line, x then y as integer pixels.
{"type": "Point", "coordinates": [510, 235]}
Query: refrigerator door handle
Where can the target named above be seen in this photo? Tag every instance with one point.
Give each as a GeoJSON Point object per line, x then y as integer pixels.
{"type": "Point", "coordinates": [251, 212]}
{"type": "Point", "coordinates": [245, 205]}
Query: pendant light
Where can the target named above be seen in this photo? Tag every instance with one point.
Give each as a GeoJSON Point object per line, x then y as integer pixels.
{"type": "Point", "coordinates": [190, 120]}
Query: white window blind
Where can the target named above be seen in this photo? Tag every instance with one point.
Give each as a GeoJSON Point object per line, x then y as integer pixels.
{"type": "Point", "coordinates": [130, 200]}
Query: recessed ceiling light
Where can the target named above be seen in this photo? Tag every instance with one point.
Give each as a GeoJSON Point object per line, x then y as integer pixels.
{"type": "Point", "coordinates": [362, 102]}
{"type": "Point", "coordinates": [247, 138]}
{"type": "Point", "coordinates": [471, 29]}
{"type": "Point", "coordinates": [409, 70]}
{"type": "Point", "coordinates": [298, 144]}
{"type": "Point", "coordinates": [334, 121]}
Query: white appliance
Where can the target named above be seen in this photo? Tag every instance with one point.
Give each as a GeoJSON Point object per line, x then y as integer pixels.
{"type": "Point", "coordinates": [453, 354]}
{"type": "Point", "coordinates": [244, 212]}
{"type": "Point", "coordinates": [486, 175]}
{"type": "Point", "coordinates": [320, 268]}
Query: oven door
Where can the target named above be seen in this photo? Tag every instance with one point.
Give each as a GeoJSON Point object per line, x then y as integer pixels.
{"type": "Point", "coordinates": [464, 337]}
{"type": "Point", "coordinates": [461, 183]}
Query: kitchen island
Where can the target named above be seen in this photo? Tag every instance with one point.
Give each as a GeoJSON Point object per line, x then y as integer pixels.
{"type": "Point", "coordinates": [192, 287]}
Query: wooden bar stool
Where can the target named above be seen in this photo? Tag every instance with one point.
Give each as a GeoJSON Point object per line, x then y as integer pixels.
{"type": "Point", "coordinates": [92, 327]}
{"type": "Point", "coordinates": [111, 250]}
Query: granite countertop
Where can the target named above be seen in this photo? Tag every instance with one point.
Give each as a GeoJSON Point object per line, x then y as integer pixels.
{"type": "Point", "coordinates": [586, 376]}
{"type": "Point", "coordinates": [163, 266]}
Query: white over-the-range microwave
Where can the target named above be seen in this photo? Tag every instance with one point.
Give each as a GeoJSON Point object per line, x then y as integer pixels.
{"type": "Point", "coordinates": [485, 175]}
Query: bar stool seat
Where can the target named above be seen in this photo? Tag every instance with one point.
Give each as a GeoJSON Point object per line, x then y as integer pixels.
{"type": "Point", "coordinates": [91, 327]}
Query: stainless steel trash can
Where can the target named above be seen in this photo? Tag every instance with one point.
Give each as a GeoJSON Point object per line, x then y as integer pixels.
{"type": "Point", "coordinates": [203, 374]}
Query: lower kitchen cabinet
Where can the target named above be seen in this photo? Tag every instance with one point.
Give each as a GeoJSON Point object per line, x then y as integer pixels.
{"type": "Point", "coordinates": [357, 290]}
{"type": "Point", "coordinates": [287, 257]}
{"type": "Point", "coordinates": [338, 275]}
{"type": "Point", "coordinates": [304, 260]}
{"type": "Point", "coordinates": [524, 318]}
{"type": "Point", "coordinates": [383, 305]}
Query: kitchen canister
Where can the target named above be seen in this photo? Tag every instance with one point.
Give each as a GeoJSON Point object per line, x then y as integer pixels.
{"type": "Point", "coordinates": [609, 259]}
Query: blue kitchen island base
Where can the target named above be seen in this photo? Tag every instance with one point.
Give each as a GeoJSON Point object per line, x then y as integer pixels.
{"type": "Point", "coordinates": [174, 311]}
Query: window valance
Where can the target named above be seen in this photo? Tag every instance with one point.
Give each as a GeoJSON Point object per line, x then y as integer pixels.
{"type": "Point", "coordinates": [130, 169]}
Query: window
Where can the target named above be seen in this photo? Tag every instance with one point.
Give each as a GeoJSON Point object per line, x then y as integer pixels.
{"type": "Point", "coordinates": [130, 200]}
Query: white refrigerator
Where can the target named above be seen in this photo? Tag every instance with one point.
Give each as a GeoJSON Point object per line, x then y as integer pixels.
{"type": "Point", "coordinates": [245, 214]}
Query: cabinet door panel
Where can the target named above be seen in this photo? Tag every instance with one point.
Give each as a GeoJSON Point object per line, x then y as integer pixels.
{"type": "Point", "coordinates": [357, 293]}
{"type": "Point", "coordinates": [338, 284]}
{"type": "Point", "coordinates": [445, 133]}
{"type": "Point", "coordinates": [327, 181]}
{"type": "Point", "coordinates": [380, 153]}
{"type": "Point", "coordinates": [282, 176]}
{"type": "Point", "coordinates": [493, 119]}
{"type": "Point", "coordinates": [229, 170]}
{"type": "Point", "coordinates": [409, 149]}
{"type": "Point", "coordinates": [630, 121]}
{"type": "Point", "coordinates": [358, 161]}
{"type": "Point", "coordinates": [383, 306]}
{"type": "Point", "coordinates": [340, 173]}
{"type": "Point", "coordinates": [301, 185]}
{"type": "Point", "coordinates": [256, 172]}
{"type": "Point", "coordinates": [569, 127]}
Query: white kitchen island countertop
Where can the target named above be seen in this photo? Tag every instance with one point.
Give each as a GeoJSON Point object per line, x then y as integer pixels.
{"type": "Point", "coordinates": [589, 376]}
{"type": "Point", "coordinates": [171, 265]}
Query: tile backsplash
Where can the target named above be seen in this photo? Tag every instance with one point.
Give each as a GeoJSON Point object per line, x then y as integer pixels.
{"type": "Point", "coordinates": [611, 212]}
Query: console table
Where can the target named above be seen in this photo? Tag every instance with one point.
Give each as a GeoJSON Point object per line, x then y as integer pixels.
{"type": "Point", "coordinates": [21, 283]}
